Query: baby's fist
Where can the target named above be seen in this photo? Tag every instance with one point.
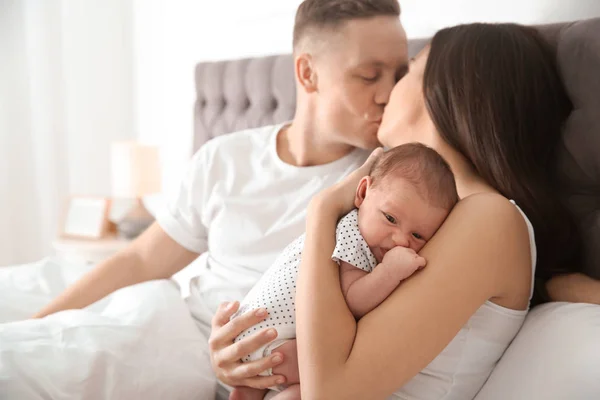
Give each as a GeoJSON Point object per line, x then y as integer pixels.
{"type": "Point", "coordinates": [403, 262]}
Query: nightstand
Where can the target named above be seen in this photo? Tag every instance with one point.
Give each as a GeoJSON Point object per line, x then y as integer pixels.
{"type": "Point", "coordinates": [88, 251]}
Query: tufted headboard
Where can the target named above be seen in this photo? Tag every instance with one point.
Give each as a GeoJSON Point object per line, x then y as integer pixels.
{"type": "Point", "coordinates": [240, 94]}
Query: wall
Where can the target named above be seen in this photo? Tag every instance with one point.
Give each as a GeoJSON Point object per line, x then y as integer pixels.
{"type": "Point", "coordinates": [171, 36]}
{"type": "Point", "coordinates": [66, 92]}
{"type": "Point", "coordinates": [98, 69]}
{"type": "Point", "coordinates": [424, 17]}
{"type": "Point", "coordinates": [74, 69]}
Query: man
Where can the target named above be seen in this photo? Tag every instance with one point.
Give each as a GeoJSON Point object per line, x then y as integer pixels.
{"type": "Point", "coordinates": [245, 194]}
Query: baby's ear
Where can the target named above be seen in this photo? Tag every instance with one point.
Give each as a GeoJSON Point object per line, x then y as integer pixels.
{"type": "Point", "coordinates": [361, 190]}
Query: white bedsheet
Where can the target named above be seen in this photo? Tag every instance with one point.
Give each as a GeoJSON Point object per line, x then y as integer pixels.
{"type": "Point", "coordinates": [138, 343]}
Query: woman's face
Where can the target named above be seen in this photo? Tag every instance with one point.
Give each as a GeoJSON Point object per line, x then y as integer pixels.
{"type": "Point", "coordinates": [405, 111]}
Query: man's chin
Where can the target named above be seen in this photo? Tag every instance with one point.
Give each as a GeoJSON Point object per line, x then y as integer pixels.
{"type": "Point", "coordinates": [364, 138]}
{"type": "Point", "coordinates": [369, 144]}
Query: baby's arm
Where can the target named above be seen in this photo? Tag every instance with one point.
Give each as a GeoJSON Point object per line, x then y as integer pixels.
{"type": "Point", "coordinates": [364, 291]}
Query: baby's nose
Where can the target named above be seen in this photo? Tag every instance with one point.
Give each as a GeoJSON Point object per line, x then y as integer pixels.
{"type": "Point", "coordinates": [401, 239]}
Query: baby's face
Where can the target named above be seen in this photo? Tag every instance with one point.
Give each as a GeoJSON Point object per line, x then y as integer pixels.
{"type": "Point", "coordinates": [392, 213]}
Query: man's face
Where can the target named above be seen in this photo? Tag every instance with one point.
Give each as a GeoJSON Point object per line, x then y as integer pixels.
{"type": "Point", "coordinates": [356, 71]}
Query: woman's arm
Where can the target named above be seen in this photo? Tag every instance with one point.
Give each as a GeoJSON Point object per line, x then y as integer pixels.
{"type": "Point", "coordinates": [574, 288]}
{"type": "Point", "coordinates": [479, 252]}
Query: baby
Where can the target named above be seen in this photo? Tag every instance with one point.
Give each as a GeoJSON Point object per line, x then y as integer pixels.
{"type": "Point", "coordinates": [406, 197]}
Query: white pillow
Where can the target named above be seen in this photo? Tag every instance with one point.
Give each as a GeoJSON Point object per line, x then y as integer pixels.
{"type": "Point", "coordinates": [555, 356]}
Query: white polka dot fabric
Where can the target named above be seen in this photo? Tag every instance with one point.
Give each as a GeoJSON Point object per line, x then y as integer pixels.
{"type": "Point", "coordinates": [350, 246]}
{"type": "Point", "coordinates": [276, 290]}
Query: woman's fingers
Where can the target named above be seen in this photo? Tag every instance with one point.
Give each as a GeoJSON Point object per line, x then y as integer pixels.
{"type": "Point", "coordinates": [366, 167]}
{"type": "Point", "coordinates": [247, 345]}
{"type": "Point", "coordinates": [254, 368]}
{"type": "Point", "coordinates": [233, 328]}
{"type": "Point", "coordinates": [373, 156]}
{"type": "Point", "coordinates": [264, 382]}
{"type": "Point", "coordinates": [351, 181]}
{"type": "Point", "coordinates": [226, 355]}
{"type": "Point", "coordinates": [224, 313]}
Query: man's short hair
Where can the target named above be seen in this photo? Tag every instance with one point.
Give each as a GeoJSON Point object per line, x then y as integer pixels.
{"type": "Point", "coordinates": [315, 16]}
{"type": "Point", "coordinates": [422, 167]}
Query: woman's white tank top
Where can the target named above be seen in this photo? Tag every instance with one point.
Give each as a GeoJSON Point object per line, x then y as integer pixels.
{"type": "Point", "coordinates": [461, 369]}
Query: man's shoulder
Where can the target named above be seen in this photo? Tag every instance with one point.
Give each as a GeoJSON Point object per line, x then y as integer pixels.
{"type": "Point", "coordinates": [253, 137]}
{"type": "Point", "coordinates": [234, 147]}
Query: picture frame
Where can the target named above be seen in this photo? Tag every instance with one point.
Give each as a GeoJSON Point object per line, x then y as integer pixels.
{"type": "Point", "coordinates": [87, 217]}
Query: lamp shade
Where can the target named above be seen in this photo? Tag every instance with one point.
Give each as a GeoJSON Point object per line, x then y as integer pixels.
{"type": "Point", "coordinates": [135, 170]}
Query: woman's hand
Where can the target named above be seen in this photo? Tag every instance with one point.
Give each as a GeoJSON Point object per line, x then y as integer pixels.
{"type": "Point", "coordinates": [339, 198]}
{"type": "Point", "coordinates": [574, 288]}
{"type": "Point", "coordinates": [225, 356]}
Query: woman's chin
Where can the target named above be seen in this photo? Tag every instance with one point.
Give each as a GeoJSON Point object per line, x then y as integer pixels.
{"type": "Point", "coordinates": [388, 142]}
{"type": "Point", "coordinates": [389, 137]}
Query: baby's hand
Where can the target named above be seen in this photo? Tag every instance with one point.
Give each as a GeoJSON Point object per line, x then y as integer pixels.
{"type": "Point", "coordinates": [403, 262]}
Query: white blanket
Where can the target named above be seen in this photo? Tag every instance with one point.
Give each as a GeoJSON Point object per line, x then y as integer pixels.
{"type": "Point", "coordinates": [138, 343]}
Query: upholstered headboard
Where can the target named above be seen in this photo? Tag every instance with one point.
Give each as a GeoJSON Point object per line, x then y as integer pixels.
{"type": "Point", "coordinates": [241, 94]}
{"type": "Point", "coordinates": [234, 95]}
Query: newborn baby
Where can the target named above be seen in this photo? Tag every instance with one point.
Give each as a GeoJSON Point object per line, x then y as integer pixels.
{"type": "Point", "coordinates": [400, 205]}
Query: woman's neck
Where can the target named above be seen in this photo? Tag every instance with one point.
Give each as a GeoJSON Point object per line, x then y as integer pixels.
{"type": "Point", "coordinates": [468, 181]}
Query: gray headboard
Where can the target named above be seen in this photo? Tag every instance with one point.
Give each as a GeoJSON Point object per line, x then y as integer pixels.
{"type": "Point", "coordinates": [239, 94]}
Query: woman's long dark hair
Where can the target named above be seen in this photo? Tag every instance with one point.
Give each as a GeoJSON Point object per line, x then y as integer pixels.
{"type": "Point", "coordinates": [494, 93]}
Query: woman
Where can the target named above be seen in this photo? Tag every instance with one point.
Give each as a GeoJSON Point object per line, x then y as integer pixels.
{"type": "Point", "coordinates": [488, 98]}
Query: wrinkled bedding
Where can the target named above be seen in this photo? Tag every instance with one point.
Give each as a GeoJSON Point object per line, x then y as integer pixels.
{"type": "Point", "coordinates": [138, 343]}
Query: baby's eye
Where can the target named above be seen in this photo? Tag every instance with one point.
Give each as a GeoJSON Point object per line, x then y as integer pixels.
{"type": "Point", "coordinates": [390, 218]}
{"type": "Point", "coordinates": [417, 236]}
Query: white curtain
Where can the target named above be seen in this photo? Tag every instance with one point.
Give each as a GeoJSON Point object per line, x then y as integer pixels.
{"type": "Point", "coordinates": [66, 92]}
{"type": "Point", "coordinates": [33, 162]}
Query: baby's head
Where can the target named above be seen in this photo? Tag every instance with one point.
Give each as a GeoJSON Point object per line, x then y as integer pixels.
{"type": "Point", "coordinates": [405, 198]}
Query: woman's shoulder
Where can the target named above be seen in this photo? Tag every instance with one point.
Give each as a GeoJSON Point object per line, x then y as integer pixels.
{"type": "Point", "coordinates": [494, 228]}
{"type": "Point", "coordinates": [485, 208]}
{"type": "Point", "coordinates": [491, 225]}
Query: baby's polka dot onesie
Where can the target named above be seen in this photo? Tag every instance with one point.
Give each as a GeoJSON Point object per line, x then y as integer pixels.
{"type": "Point", "coordinates": [276, 290]}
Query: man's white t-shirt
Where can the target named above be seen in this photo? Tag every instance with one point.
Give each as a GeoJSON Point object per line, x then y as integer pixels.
{"type": "Point", "coordinates": [241, 205]}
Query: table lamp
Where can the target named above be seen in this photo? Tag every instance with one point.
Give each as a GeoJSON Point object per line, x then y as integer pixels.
{"type": "Point", "coordinates": [135, 173]}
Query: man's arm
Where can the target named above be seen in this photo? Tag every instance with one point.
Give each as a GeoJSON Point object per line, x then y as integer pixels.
{"type": "Point", "coordinates": [364, 291]}
{"type": "Point", "coordinates": [574, 288]}
{"type": "Point", "coordinates": [154, 255]}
